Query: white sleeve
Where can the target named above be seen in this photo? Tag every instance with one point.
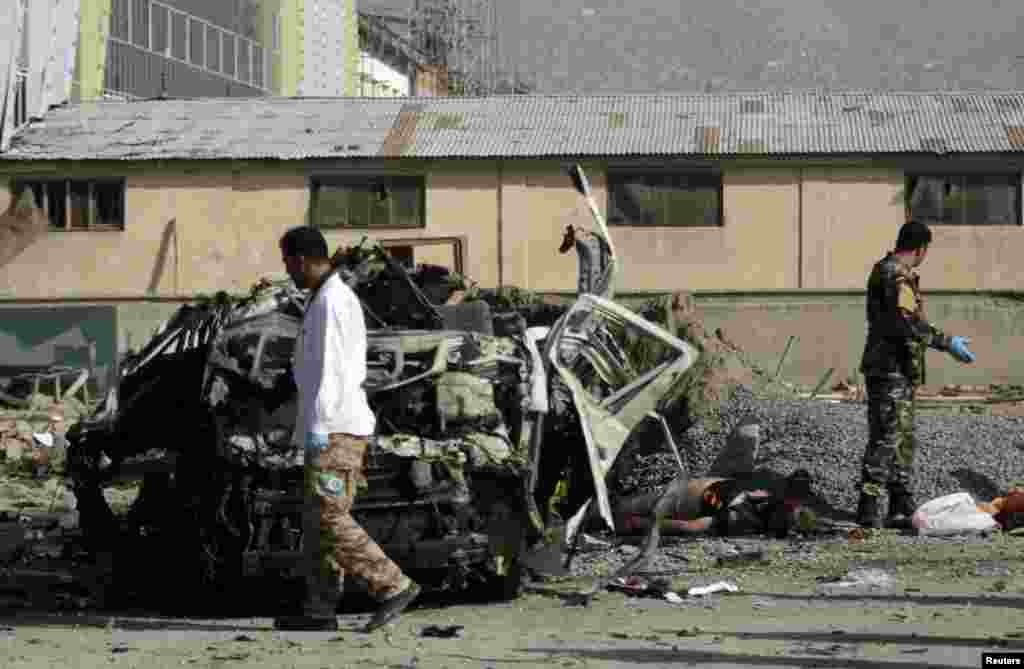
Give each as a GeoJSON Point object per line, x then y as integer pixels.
{"type": "Point", "coordinates": [316, 377]}
{"type": "Point", "coordinates": [341, 353]}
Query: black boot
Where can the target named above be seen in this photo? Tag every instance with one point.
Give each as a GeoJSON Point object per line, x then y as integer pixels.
{"type": "Point", "coordinates": [901, 508]}
{"type": "Point", "coordinates": [867, 512]}
{"type": "Point", "coordinates": [392, 607]}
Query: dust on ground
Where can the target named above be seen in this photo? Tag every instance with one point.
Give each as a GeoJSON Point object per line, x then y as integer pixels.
{"type": "Point", "coordinates": [946, 600]}
{"type": "Point", "coordinates": [950, 601]}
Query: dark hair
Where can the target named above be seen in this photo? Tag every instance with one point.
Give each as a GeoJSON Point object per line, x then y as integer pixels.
{"type": "Point", "coordinates": [913, 235]}
{"type": "Point", "coordinates": [304, 241]}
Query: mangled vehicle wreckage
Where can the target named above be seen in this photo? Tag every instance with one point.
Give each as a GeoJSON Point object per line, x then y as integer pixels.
{"type": "Point", "coordinates": [478, 416]}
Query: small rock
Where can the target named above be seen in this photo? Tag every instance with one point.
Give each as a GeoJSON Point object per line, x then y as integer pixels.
{"type": "Point", "coordinates": [740, 450]}
{"type": "Point", "coordinates": [628, 549]}
{"type": "Point", "coordinates": [442, 631]}
{"type": "Point", "coordinates": [991, 568]}
{"type": "Point", "coordinates": [859, 580]}
{"type": "Point", "coordinates": [15, 449]}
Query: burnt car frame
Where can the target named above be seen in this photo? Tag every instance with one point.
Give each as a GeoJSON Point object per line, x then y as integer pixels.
{"type": "Point", "coordinates": [474, 431]}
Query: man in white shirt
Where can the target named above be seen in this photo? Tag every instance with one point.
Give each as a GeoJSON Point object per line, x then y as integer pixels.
{"type": "Point", "coordinates": [333, 423]}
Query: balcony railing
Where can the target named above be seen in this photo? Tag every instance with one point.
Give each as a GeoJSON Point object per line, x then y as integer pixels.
{"type": "Point", "coordinates": [156, 28]}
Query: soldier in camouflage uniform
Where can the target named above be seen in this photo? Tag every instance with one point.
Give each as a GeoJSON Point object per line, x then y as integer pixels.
{"type": "Point", "coordinates": [893, 365]}
{"type": "Point", "coordinates": [333, 423]}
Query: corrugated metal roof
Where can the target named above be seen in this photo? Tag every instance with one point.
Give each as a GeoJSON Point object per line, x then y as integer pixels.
{"type": "Point", "coordinates": [530, 126]}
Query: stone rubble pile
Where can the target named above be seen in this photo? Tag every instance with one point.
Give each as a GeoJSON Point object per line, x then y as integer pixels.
{"type": "Point", "coordinates": [32, 439]}
{"type": "Point", "coordinates": [980, 454]}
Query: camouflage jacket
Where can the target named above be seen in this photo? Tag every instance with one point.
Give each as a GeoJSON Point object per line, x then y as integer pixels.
{"type": "Point", "coordinates": [898, 332]}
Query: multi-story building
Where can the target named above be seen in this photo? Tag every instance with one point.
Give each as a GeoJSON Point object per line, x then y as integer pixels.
{"type": "Point", "coordinates": [180, 48]}
{"type": "Point", "coordinates": [196, 48]}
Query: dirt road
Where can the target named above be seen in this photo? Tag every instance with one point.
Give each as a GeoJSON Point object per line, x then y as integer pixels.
{"type": "Point", "coordinates": [947, 602]}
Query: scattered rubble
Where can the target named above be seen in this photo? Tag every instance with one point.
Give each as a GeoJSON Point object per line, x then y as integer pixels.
{"type": "Point", "coordinates": [974, 453]}
{"type": "Point", "coordinates": [442, 631]}
{"type": "Point", "coordinates": [861, 581]}
{"type": "Point", "coordinates": [745, 437]}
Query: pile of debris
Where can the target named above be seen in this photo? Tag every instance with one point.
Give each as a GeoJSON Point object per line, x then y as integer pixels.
{"type": "Point", "coordinates": [36, 410]}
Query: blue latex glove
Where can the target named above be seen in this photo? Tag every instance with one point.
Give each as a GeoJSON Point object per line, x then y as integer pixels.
{"type": "Point", "coordinates": [958, 349]}
{"type": "Point", "coordinates": [316, 441]}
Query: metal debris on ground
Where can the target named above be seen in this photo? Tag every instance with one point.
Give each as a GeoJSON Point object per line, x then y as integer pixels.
{"type": "Point", "coordinates": [673, 598]}
{"type": "Point", "coordinates": [740, 558]}
{"type": "Point", "coordinates": [442, 631]}
{"type": "Point", "coordinates": [640, 587]}
{"type": "Point", "coordinates": [711, 588]}
{"type": "Point", "coordinates": [857, 580]}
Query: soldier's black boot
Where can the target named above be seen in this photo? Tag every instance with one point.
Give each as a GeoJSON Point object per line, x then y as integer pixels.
{"type": "Point", "coordinates": [867, 512]}
{"type": "Point", "coordinates": [901, 508]}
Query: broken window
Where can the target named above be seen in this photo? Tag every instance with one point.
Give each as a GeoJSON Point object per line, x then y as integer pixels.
{"type": "Point", "coordinates": [371, 202]}
{"type": "Point", "coordinates": [442, 251]}
{"type": "Point", "coordinates": [971, 199]}
{"type": "Point", "coordinates": [78, 204]}
{"type": "Point", "coordinates": [664, 199]}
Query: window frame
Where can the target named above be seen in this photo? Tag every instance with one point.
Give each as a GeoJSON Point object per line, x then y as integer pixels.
{"type": "Point", "coordinates": [319, 181]}
{"type": "Point", "coordinates": [614, 173]}
{"type": "Point", "coordinates": [18, 184]}
{"type": "Point", "coordinates": [961, 222]}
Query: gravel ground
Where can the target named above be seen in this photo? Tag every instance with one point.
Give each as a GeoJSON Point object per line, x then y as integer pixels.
{"type": "Point", "coordinates": [980, 454]}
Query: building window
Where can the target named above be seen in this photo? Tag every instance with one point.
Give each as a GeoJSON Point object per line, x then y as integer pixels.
{"type": "Point", "coordinates": [972, 199]}
{"type": "Point", "coordinates": [78, 204]}
{"type": "Point", "coordinates": [370, 202]}
{"type": "Point", "coordinates": [665, 199]}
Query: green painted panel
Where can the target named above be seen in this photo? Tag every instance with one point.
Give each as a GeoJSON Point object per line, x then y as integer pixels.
{"type": "Point", "coordinates": [94, 26]}
{"type": "Point", "coordinates": [351, 28]}
{"type": "Point", "coordinates": [35, 337]}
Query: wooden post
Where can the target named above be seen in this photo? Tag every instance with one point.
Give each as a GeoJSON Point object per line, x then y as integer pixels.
{"type": "Point", "coordinates": [782, 360]}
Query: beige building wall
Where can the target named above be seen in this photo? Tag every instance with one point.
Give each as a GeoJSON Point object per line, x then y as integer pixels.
{"type": "Point", "coordinates": [850, 220]}
{"type": "Point", "coordinates": [538, 202]}
{"type": "Point", "coordinates": [461, 202]}
{"type": "Point", "coordinates": [184, 235]}
{"type": "Point", "coordinates": [967, 257]}
{"type": "Point", "coordinates": [211, 230]}
{"type": "Point", "coordinates": [202, 227]}
{"type": "Point", "coordinates": [755, 248]}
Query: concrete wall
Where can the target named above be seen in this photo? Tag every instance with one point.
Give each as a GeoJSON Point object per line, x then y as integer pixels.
{"type": "Point", "coordinates": [36, 337]}
{"type": "Point", "coordinates": [850, 219]}
{"type": "Point", "coordinates": [203, 227]}
{"type": "Point", "coordinates": [184, 235]}
{"type": "Point", "coordinates": [755, 249]}
{"type": "Point", "coordinates": [211, 230]}
{"type": "Point", "coordinates": [830, 331]}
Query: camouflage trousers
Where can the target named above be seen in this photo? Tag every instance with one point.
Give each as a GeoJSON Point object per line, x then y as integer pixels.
{"type": "Point", "coordinates": [334, 544]}
{"type": "Point", "coordinates": [889, 456]}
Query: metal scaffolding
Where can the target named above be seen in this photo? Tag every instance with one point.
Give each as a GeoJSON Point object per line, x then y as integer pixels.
{"type": "Point", "coordinates": [460, 36]}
